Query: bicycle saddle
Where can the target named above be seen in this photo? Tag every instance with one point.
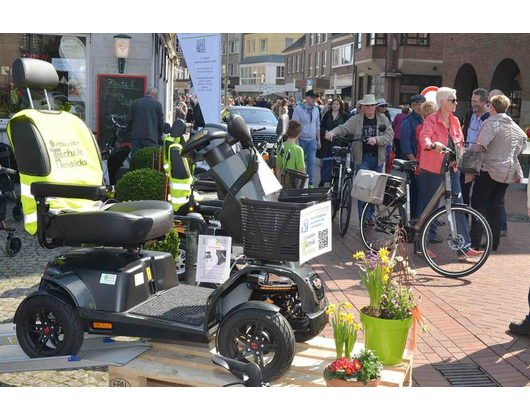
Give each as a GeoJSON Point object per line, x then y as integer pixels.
{"type": "Point", "coordinates": [405, 165]}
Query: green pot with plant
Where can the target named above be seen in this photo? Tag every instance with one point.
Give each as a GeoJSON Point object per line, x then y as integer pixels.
{"type": "Point", "coordinates": [393, 305]}
{"type": "Point", "coordinates": [363, 369]}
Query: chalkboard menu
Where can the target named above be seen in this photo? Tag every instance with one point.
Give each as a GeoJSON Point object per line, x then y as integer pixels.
{"type": "Point", "coordinates": [116, 93]}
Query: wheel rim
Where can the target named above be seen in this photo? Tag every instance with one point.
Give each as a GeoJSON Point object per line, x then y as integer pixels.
{"type": "Point", "coordinates": [181, 262]}
{"type": "Point", "coordinates": [253, 342]}
{"type": "Point", "coordinates": [385, 220]}
{"type": "Point", "coordinates": [44, 332]}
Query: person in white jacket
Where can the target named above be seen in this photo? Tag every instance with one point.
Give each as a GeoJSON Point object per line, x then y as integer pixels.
{"type": "Point", "coordinates": [523, 327]}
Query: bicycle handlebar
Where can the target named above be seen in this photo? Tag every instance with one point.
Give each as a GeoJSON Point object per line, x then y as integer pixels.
{"type": "Point", "coordinates": [350, 139]}
{"type": "Point", "coordinates": [8, 171]}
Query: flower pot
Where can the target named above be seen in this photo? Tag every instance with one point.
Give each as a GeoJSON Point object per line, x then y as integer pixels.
{"type": "Point", "coordinates": [335, 382]}
{"type": "Point", "coordinates": [386, 337]}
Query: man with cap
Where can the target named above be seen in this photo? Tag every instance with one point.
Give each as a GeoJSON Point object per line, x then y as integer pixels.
{"type": "Point", "coordinates": [409, 148]}
{"type": "Point", "coordinates": [308, 115]}
{"type": "Point", "coordinates": [370, 153]}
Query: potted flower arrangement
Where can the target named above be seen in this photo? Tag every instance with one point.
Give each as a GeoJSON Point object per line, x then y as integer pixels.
{"type": "Point", "coordinates": [393, 306]}
{"type": "Point", "coordinates": [362, 369]}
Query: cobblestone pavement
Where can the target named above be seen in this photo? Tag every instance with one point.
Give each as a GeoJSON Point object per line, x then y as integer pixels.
{"type": "Point", "coordinates": [468, 317]}
{"type": "Point", "coordinates": [19, 276]}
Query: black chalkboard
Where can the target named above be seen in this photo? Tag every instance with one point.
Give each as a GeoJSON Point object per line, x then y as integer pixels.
{"type": "Point", "coordinates": [116, 93]}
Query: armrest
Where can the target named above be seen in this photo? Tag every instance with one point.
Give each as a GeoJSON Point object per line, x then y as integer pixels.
{"type": "Point", "coordinates": [205, 185]}
{"type": "Point", "coordinates": [49, 189]}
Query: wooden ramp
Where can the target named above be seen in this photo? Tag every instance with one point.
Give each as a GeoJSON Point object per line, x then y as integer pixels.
{"type": "Point", "coordinates": [179, 364]}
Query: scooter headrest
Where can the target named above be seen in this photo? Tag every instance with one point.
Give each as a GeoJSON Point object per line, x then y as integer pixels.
{"type": "Point", "coordinates": [34, 74]}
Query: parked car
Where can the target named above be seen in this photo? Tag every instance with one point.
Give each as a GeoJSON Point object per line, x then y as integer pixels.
{"type": "Point", "coordinates": [394, 112]}
{"type": "Point", "coordinates": [261, 119]}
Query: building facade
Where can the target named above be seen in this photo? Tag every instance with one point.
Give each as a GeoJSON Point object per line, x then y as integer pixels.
{"type": "Point", "coordinates": [231, 47]}
{"type": "Point", "coordinates": [79, 59]}
{"type": "Point", "coordinates": [489, 61]}
{"type": "Point", "coordinates": [397, 66]}
{"type": "Point", "coordinates": [262, 69]}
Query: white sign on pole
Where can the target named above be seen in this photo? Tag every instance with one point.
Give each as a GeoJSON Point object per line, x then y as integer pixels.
{"type": "Point", "coordinates": [202, 53]}
{"type": "Point", "coordinates": [315, 231]}
{"type": "Point", "coordinates": [213, 259]}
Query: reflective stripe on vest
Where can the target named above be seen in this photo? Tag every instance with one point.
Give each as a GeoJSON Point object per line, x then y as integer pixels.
{"type": "Point", "coordinates": [177, 200]}
{"type": "Point", "coordinates": [71, 153]}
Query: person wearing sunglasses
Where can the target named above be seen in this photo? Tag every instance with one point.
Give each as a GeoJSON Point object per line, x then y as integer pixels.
{"type": "Point", "coordinates": [440, 130]}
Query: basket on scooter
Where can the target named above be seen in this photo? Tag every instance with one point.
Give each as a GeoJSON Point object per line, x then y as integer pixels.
{"type": "Point", "coordinates": [292, 179]}
{"type": "Point", "coordinates": [305, 195]}
{"type": "Point", "coordinates": [271, 229]}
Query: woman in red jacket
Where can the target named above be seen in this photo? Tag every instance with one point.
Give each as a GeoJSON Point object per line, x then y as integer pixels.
{"type": "Point", "coordinates": [442, 129]}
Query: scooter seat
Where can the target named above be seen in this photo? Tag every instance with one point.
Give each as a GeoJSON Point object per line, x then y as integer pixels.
{"type": "Point", "coordinates": [120, 224]}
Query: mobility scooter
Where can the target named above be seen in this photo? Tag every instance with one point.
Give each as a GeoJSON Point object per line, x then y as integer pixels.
{"type": "Point", "coordinates": [115, 287]}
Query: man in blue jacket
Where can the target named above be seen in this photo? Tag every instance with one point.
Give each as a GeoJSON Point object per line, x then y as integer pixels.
{"type": "Point", "coordinates": [409, 147]}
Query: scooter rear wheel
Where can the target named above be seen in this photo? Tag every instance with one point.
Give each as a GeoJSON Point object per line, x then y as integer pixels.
{"type": "Point", "coordinates": [13, 246]}
{"type": "Point", "coordinates": [259, 336]}
{"type": "Point", "coordinates": [47, 327]}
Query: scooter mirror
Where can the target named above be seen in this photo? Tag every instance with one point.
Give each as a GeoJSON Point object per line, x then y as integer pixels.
{"type": "Point", "coordinates": [283, 122]}
{"type": "Point", "coordinates": [178, 128]}
{"type": "Point", "coordinates": [167, 128]}
{"type": "Point", "coordinates": [238, 129]}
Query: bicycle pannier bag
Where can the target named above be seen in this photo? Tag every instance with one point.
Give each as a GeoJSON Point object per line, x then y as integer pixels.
{"type": "Point", "coordinates": [369, 186]}
{"type": "Point", "coordinates": [469, 158]}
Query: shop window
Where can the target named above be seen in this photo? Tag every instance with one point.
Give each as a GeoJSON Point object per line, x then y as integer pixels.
{"type": "Point", "coordinates": [376, 39]}
{"type": "Point", "coordinates": [66, 53]}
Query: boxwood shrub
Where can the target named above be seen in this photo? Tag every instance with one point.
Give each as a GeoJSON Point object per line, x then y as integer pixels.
{"type": "Point", "coordinates": [145, 158]}
{"type": "Point", "coordinates": [142, 184]}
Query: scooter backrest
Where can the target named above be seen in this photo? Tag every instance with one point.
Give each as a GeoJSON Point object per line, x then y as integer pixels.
{"type": "Point", "coordinates": [34, 74]}
{"type": "Point", "coordinates": [167, 128]}
{"type": "Point", "coordinates": [238, 129]}
{"type": "Point", "coordinates": [178, 128]}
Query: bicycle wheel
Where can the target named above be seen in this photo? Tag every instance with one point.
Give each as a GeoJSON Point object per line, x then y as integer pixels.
{"type": "Point", "coordinates": [452, 257]}
{"type": "Point", "coordinates": [335, 199]}
{"type": "Point", "coordinates": [345, 207]}
{"type": "Point", "coordinates": [378, 231]}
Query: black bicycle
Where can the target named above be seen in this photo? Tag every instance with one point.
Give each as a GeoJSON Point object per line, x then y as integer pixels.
{"type": "Point", "coordinates": [440, 234]}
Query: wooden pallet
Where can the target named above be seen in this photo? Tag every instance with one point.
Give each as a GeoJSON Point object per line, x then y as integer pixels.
{"type": "Point", "coordinates": [191, 365]}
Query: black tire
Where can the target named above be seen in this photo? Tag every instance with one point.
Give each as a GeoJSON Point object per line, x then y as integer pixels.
{"type": "Point", "coordinates": [302, 337]}
{"type": "Point", "coordinates": [17, 213]}
{"type": "Point", "coordinates": [345, 206]}
{"type": "Point", "coordinates": [13, 246]}
{"type": "Point", "coordinates": [273, 332]}
{"type": "Point", "coordinates": [335, 199]}
{"type": "Point", "coordinates": [446, 260]}
{"type": "Point", "coordinates": [386, 218]}
{"type": "Point", "coordinates": [48, 327]}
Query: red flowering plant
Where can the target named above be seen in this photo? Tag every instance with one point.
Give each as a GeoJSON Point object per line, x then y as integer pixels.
{"type": "Point", "coordinates": [363, 367]}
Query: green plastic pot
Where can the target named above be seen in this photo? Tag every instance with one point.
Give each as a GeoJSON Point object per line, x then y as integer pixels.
{"type": "Point", "coordinates": [387, 338]}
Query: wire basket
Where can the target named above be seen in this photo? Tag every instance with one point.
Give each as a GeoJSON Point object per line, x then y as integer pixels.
{"type": "Point", "coordinates": [469, 158]}
{"type": "Point", "coordinates": [292, 179]}
{"type": "Point", "coordinates": [271, 229]}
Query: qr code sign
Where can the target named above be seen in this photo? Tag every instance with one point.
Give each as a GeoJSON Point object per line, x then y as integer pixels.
{"type": "Point", "coordinates": [323, 239]}
{"type": "Point", "coordinates": [201, 46]}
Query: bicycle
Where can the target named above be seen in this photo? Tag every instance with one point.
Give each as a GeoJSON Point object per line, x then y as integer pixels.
{"type": "Point", "coordinates": [442, 233]}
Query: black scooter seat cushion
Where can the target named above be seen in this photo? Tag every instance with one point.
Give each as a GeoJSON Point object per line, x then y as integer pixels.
{"type": "Point", "coordinates": [120, 224]}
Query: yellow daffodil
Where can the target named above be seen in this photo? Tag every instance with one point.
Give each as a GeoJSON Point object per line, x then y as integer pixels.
{"type": "Point", "coordinates": [359, 255]}
{"type": "Point", "coordinates": [386, 277]}
{"type": "Point", "coordinates": [357, 326]}
{"type": "Point", "coordinates": [383, 252]}
{"type": "Point", "coordinates": [348, 305]}
{"type": "Point", "coordinates": [349, 318]}
{"type": "Point", "coordinates": [385, 260]}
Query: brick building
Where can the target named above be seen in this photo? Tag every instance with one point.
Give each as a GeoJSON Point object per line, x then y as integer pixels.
{"type": "Point", "coordinates": [397, 66]}
{"type": "Point", "coordinates": [489, 61]}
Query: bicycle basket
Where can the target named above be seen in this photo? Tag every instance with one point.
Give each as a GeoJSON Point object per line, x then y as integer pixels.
{"type": "Point", "coordinates": [469, 158]}
{"type": "Point", "coordinates": [271, 229]}
{"type": "Point", "coordinates": [293, 179]}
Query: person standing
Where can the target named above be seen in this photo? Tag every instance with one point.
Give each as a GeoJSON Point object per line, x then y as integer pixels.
{"type": "Point", "coordinates": [409, 148]}
{"type": "Point", "coordinates": [330, 120]}
{"type": "Point", "coordinates": [371, 153]}
{"type": "Point", "coordinates": [283, 108]}
{"type": "Point", "coordinates": [382, 107]}
{"type": "Point", "coordinates": [309, 116]}
{"type": "Point", "coordinates": [296, 161]}
{"type": "Point", "coordinates": [503, 141]}
{"type": "Point", "coordinates": [442, 130]}
{"type": "Point", "coordinates": [396, 126]}
{"type": "Point", "coordinates": [182, 109]}
{"type": "Point", "coordinates": [146, 121]}
{"type": "Point", "coordinates": [523, 327]}
{"type": "Point", "coordinates": [291, 106]}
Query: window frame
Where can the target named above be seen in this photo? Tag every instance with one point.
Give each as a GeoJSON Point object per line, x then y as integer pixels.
{"type": "Point", "coordinates": [266, 40]}
{"type": "Point", "coordinates": [405, 40]}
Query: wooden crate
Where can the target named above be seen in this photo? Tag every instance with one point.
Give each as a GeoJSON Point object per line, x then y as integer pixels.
{"type": "Point", "coordinates": [185, 364]}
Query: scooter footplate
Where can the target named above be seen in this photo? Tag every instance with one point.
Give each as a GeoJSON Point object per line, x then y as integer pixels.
{"type": "Point", "coordinates": [183, 304]}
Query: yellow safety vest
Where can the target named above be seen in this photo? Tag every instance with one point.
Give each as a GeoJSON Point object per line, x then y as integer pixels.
{"type": "Point", "coordinates": [180, 177]}
{"type": "Point", "coordinates": [71, 153]}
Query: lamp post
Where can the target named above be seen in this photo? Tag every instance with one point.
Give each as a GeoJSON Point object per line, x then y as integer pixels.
{"type": "Point", "coordinates": [122, 45]}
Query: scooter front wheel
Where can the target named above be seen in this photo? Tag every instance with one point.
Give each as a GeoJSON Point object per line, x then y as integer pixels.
{"type": "Point", "coordinates": [259, 336]}
{"type": "Point", "coordinates": [47, 327]}
{"type": "Point", "coordinates": [13, 246]}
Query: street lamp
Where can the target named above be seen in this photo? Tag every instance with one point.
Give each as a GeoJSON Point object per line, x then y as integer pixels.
{"type": "Point", "coordinates": [122, 45]}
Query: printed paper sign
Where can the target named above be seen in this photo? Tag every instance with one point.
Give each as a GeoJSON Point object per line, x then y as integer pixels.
{"type": "Point", "coordinates": [315, 231]}
{"type": "Point", "coordinates": [139, 279]}
{"type": "Point", "coordinates": [213, 259]}
{"type": "Point", "coordinates": [108, 279]}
